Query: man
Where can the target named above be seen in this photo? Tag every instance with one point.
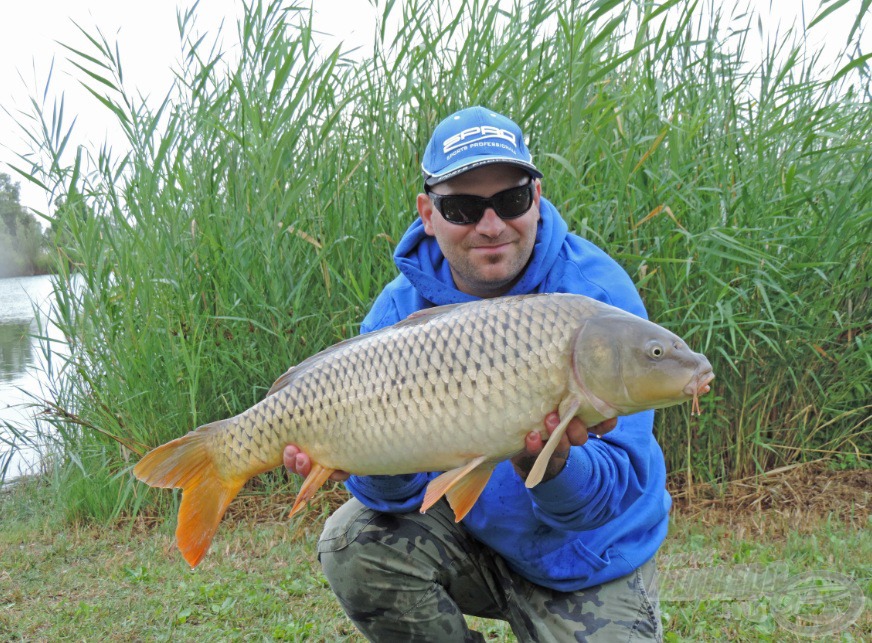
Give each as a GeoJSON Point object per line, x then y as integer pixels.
{"type": "Point", "coordinates": [570, 559]}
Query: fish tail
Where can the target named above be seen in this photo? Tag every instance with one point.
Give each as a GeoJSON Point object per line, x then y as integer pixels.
{"type": "Point", "coordinates": [188, 463]}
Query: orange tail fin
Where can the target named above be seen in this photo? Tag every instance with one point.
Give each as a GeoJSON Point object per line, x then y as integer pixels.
{"type": "Point", "coordinates": [187, 463]}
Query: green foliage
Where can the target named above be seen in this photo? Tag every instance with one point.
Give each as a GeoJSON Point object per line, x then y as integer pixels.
{"type": "Point", "coordinates": [23, 246]}
{"type": "Point", "coordinates": [253, 220]}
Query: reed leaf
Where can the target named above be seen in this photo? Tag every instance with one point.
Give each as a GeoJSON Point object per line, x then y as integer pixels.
{"type": "Point", "coordinates": [252, 221]}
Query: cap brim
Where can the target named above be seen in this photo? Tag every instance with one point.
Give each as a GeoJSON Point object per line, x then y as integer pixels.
{"type": "Point", "coordinates": [475, 162]}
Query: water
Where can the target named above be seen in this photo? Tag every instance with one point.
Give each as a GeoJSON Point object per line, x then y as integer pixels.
{"type": "Point", "coordinates": [22, 367]}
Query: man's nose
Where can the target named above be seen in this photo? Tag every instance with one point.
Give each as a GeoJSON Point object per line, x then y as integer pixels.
{"type": "Point", "coordinates": [490, 225]}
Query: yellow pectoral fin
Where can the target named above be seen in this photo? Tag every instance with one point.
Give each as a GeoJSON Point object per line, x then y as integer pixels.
{"type": "Point", "coordinates": [318, 475]}
{"type": "Point", "coordinates": [538, 470]}
{"type": "Point", "coordinates": [462, 486]}
{"type": "Point", "coordinates": [464, 494]}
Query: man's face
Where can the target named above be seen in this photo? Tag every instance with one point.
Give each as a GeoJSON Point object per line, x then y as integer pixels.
{"type": "Point", "coordinates": [486, 258]}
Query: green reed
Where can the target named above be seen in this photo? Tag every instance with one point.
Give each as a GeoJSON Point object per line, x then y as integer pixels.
{"type": "Point", "coordinates": [253, 220]}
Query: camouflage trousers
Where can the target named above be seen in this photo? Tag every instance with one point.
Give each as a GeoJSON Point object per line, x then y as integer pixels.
{"type": "Point", "coordinates": [412, 577]}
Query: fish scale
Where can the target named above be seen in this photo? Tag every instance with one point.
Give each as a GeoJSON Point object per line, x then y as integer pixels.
{"type": "Point", "coordinates": [359, 390]}
{"type": "Point", "coordinates": [453, 388]}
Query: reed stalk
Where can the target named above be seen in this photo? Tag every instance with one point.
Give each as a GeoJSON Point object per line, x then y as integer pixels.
{"type": "Point", "coordinates": [253, 219]}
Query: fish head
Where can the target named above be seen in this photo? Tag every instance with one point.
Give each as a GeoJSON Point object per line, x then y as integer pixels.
{"type": "Point", "coordinates": [632, 364]}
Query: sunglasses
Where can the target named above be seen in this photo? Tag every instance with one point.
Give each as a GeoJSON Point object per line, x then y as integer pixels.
{"type": "Point", "coordinates": [465, 209]}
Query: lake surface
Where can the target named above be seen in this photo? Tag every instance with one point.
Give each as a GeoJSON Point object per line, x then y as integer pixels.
{"type": "Point", "coordinates": [22, 371]}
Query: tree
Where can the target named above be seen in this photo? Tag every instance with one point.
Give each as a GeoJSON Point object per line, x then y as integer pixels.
{"type": "Point", "coordinates": [23, 244]}
{"type": "Point", "coordinates": [10, 208]}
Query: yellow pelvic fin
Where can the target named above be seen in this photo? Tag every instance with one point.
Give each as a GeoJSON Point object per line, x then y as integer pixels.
{"type": "Point", "coordinates": [318, 475]}
{"type": "Point", "coordinates": [187, 463]}
{"type": "Point", "coordinates": [463, 495]}
{"type": "Point", "coordinates": [462, 486]}
{"type": "Point", "coordinates": [538, 470]}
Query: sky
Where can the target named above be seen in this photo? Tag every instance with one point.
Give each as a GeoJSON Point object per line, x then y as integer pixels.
{"type": "Point", "coordinates": [148, 39]}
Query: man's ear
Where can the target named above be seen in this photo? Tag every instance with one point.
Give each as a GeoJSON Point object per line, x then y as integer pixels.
{"type": "Point", "coordinates": [426, 212]}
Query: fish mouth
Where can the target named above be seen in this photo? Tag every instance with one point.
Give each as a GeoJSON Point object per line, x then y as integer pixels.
{"type": "Point", "coordinates": [697, 386]}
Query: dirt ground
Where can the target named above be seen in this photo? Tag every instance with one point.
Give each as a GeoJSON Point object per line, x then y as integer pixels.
{"type": "Point", "coordinates": [802, 495]}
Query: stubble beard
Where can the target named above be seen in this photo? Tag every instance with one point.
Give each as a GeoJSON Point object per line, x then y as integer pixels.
{"type": "Point", "coordinates": [474, 274]}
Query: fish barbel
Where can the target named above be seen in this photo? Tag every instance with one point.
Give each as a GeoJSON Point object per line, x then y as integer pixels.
{"type": "Point", "coordinates": [452, 388]}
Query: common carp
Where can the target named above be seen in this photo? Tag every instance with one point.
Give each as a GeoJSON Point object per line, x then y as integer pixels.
{"type": "Point", "coordinates": [452, 388]}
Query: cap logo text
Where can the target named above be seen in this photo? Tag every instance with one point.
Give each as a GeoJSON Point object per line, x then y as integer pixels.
{"type": "Point", "coordinates": [473, 134]}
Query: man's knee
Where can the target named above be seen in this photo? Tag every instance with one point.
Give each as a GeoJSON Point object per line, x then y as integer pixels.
{"type": "Point", "coordinates": [360, 546]}
{"type": "Point", "coordinates": [343, 566]}
{"type": "Point", "coordinates": [387, 572]}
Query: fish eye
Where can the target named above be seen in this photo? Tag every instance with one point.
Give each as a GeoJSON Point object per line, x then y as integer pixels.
{"type": "Point", "coordinates": [655, 350]}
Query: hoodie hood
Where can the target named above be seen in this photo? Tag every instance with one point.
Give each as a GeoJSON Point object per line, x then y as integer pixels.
{"type": "Point", "coordinates": [421, 261]}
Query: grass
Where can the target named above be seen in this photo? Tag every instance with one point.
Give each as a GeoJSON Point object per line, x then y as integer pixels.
{"type": "Point", "coordinates": [252, 221]}
{"type": "Point", "coordinates": [126, 584]}
{"type": "Point", "coordinates": [730, 584]}
{"type": "Point", "coordinates": [261, 580]}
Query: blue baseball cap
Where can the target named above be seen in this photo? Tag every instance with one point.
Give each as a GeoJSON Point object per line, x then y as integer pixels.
{"type": "Point", "coordinates": [473, 137]}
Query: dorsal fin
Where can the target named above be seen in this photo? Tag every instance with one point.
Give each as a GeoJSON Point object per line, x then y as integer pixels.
{"type": "Point", "coordinates": [426, 314]}
{"type": "Point", "coordinates": [415, 319]}
{"type": "Point", "coordinates": [291, 373]}
{"type": "Point", "coordinates": [288, 376]}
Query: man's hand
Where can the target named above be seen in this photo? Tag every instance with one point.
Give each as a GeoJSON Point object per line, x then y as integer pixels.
{"type": "Point", "coordinates": [576, 434]}
{"type": "Point", "coordinates": [298, 462]}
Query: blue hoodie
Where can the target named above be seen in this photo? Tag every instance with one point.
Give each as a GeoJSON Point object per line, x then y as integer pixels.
{"type": "Point", "coordinates": [606, 512]}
